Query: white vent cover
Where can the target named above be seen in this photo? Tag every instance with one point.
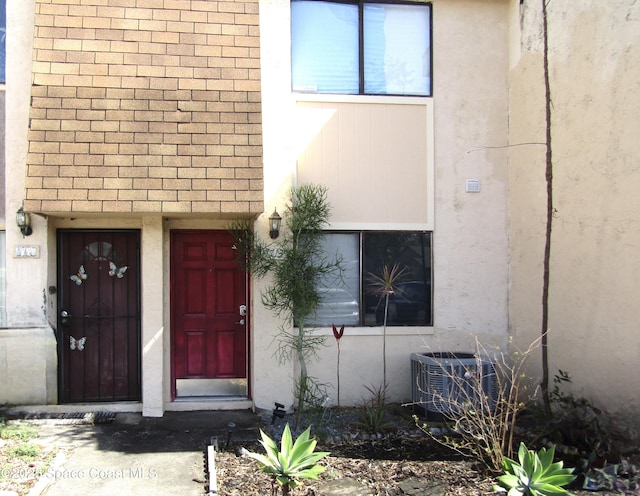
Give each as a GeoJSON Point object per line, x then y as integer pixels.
{"type": "Point", "coordinates": [443, 383]}
{"type": "Point", "coordinates": [472, 186]}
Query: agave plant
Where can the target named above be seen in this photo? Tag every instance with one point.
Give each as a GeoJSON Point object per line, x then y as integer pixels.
{"type": "Point", "coordinates": [535, 475]}
{"type": "Point", "coordinates": [292, 461]}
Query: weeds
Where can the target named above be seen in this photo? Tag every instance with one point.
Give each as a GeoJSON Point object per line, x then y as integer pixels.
{"type": "Point", "coordinates": [576, 422]}
{"type": "Point", "coordinates": [18, 437]}
{"type": "Point", "coordinates": [20, 454]}
{"type": "Point", "coordinates": [17, 432]}
{"type": "Point", "coordinates": [620, 477]}
{"type": "Point", "coordinates": [374, 410]}
{"type": "Point", "coordinates": [583, 433]}
{"type": "Point", "coordinates": [25, 451]}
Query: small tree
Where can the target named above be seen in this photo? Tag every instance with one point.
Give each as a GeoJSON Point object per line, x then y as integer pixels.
{"type": "Point", "coordinates": [297, 264]}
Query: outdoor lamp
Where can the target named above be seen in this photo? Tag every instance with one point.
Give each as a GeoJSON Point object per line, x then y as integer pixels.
{"type": "Point", "coordinates": [274, 224]}
{"type": "Point", "coordinates": [23, 219]}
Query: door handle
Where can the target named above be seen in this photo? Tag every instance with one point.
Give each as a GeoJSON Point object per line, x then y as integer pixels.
{"type": "Point", "coordinates": [241, 322]}
{"type": "Point", "coordinates": [64, 314]}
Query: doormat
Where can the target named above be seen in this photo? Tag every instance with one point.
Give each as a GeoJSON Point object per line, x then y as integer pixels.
{"type": "Point", "coordinates": [78, 418]}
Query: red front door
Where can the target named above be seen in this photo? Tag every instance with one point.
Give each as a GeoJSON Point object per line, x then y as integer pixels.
{"type": "Point", "coordinates": [98, 315]}
{"type": "Point", "coordinates": [209, 316]}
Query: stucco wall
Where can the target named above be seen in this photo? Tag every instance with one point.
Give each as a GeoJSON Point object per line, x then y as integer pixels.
{"type": "Point", "coordinates": [470, 234]}
{"type": "Point", "coordinates": [32, 351]}
{"type": "Point", "coordinates": [470, 42]}
{"type": "Point", "coordinates": [27, 347]}
{"type": "Point", "coordinates": [594, 59]}
{"type": "Point", "coordinates": [26, 278]}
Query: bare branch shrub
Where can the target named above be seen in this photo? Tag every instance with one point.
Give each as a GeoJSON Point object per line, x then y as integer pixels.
{"type": "Point", "coordinates": [480, 403]}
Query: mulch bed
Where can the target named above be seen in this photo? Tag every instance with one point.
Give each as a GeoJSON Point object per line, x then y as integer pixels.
{"type": "Point", "coordinates": [403, 461]}
{"type": "Point", "coordinates": [380, 465]}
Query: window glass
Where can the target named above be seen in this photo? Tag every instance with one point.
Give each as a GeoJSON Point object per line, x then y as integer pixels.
{"type": "Point", "coordinates": [410, 252]}
{"type": "Point", "coordinates": [354, 299]}
{"type": "Point", "coordinates": [326, 56]}
{"type": "Point", "coordinates": [3, 279]}
{"type": "Point", "coordinates": [324, 47]}
{"type": "Point", "coordinates": [3, 39]}
{"type": "Point", "coordinates": [3, 113]}
{"type": "Point", "coordinates": [340, 295]}
{"type": "Point", "coordinates": [397, 56]}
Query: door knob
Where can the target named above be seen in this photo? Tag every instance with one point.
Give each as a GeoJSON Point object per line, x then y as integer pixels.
{"type": "Point", "coordinates": [64, 314]}
{"type": "Point", "coordinates": [241, 322]}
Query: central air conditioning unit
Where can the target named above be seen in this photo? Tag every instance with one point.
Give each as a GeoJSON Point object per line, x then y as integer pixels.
{"type": "Point", "coordinates": [443, 383]}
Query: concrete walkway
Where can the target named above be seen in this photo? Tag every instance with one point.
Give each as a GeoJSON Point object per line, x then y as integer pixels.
{"type": "Point", "coordinates": [129, 454]}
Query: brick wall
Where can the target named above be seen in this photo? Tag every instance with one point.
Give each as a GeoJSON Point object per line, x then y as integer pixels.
{"type": "Point", "coordinates": [145, 106]}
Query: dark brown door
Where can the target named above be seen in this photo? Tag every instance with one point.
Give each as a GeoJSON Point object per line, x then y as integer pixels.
{"type": "Point", "coordinates": [209, 318]}
{"type": "Point", "coordinates": [98, 315]}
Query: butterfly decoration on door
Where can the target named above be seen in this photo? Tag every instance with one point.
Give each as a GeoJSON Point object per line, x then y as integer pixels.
{"type": "Point", "coordinates": [80, 277]}
{"type": "Point", "coordinates": [114, 270]}
{"type": "Point", "coordinates": [77, 343]}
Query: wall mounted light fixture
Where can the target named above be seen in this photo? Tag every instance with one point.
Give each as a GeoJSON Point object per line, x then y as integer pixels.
{"type": "Point", "coordinates": [23, 219]}
{"type": "Point", "coordinates": [274, 224]}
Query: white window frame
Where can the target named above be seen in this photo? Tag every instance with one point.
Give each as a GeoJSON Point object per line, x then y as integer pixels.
{"type": "Point", "coordinates": [3, 279]}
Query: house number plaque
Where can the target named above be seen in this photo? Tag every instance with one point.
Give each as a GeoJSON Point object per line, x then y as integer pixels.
{"type": "Point", "coordinates": [26, 251]}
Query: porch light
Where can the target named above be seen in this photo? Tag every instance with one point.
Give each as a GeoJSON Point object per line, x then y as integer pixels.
{"type": "Point", "coordinates": [274, 224]}
{"type": "Point", "coordinates": [23, 219]}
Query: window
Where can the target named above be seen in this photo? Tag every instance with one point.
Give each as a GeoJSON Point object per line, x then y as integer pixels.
{"type": "Point", "coordinates": [361, 47]}
{"type": "Point", "coordinates": [351, 300]}
{"type": "Point", "coordinates": [3, 37]}
{"type": "Point", "coordinates": [3, 280]}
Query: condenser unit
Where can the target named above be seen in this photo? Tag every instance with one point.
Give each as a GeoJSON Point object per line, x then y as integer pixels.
{"type": "Point", "coordinates": [443, 383]}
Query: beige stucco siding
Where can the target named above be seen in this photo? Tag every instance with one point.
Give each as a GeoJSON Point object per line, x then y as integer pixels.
{"type": "Point", "coordinates": [470, 101]}
{"type": "Point", "coordinates": [464, 137]}
{"type": "Point", "coordinates": [594, 60]}
{"type": "Point", "coordinates": [152, 116]}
